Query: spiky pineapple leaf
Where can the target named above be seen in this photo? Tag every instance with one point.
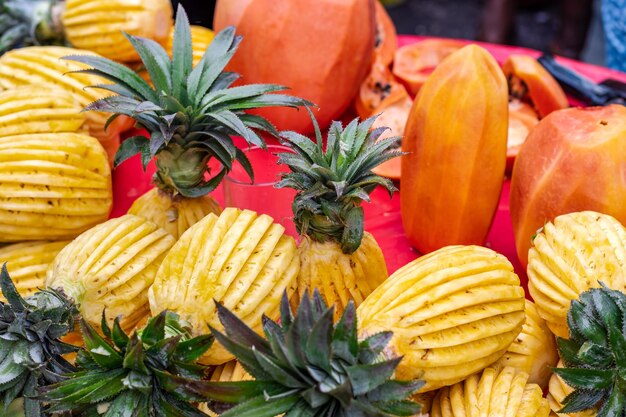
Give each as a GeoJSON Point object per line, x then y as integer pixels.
{"type": "Point", "coordinates": [189, 109]}
{"type": "Point", "coordinates": [331, 184]}
{"type": "Point", "coordinates": [312, 367]}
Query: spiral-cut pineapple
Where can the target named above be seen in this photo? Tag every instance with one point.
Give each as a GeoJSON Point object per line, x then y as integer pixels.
{"type": "Point", "coordinates": [506, 393]}
{"type": "Point", "coordinates": [53, 186]}
{"type": "Point", "coordinates": [452, 312]}
{"type": "Point", "coordinates": [570, 255]}
{"type": "Point", "coordinates": [42, 66]}
{"type": "Point", "coordinates": [558, 390]}
{"type": "Point", "coordinates": [201, 37]}
{"type": "Point", "coordinates": [340, 277]}
{"type": "Point", "coordinates": [98, 25]}
{"type": "Point", "coordinates": [111, 266]}
{"type": "Point", "coordinates": [534, 350]}
{"type": "Point", "coordinates": [173, 214]}
{"type": "Point", "coordinates": [32, 109]}
{"type": "Point", "coordinates": [27, 263]}
{"type": "Point", "coordinates": [240, 259]}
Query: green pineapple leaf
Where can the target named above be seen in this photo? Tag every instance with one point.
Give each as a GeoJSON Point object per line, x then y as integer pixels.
{"type": "Point", "coordinates": [188, 112]}
{"type": "Point", "coordinates": [152, 370]}
{"type": "Point", "coordinates": [310, 366]}
{"type": "Point", "coordinates": [31, 352]}
{"type": "Point", "coordinates": [332, 184]}
{"type": "Point", "coordinates": [595, 354]}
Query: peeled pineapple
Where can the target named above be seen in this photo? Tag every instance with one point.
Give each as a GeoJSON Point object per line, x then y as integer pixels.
{"type": "Point", "coordinates": [341, 277]}
{"type": "Point", "coordinates": [452, 312]}
{"type": "Point", "coordinates": [492, 394]}
{"type": "Point", "coordinates": [98, 25]}
{"type": "Point", "coordinates": [27, 263]}
{"type": "Point", "coordinates": [42, 66]}
{"type": "Point", "coordinates": [39, 110]}
{"type": "Point", "coordinates": [230, 371]}
{"type": "Point", "coordinates": [558, 390]}
{"type": "Point", "coordinates": [111, 266]}
{"type": "Point", "coordinates": [173, 214]}
{"type": "Point", "coordinates": [534, 350]}
{"type": "Point", "coordinates": [53, 186]}
{"type": "Point", "coordinates": [240, 259]}
{"type": "Point", "coordinates": [570, 255]}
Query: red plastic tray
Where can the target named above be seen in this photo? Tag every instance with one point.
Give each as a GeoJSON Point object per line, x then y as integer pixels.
{"type": "Point", "coordinates": [382, 216]}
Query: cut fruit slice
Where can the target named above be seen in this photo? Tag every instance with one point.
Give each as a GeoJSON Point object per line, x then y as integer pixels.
{"type": "Point", "coordinates": [413, 63]}
{"type": "Point", "coordinates": [386, 36]}
{"type": "Point", "coordinates": [522, 119]}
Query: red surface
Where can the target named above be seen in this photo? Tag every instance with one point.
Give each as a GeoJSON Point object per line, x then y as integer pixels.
{"type": "Point", "coordinates": [382, 216]}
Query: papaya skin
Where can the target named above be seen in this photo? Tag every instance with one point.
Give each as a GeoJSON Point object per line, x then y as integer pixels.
{"type": "Point", "coordinates": [538, 86]}
{"type": "Point", "coordinates": [321, 49]}
{"type": "Point", "coordinates": [573, 160]}
{"type": "Point", "coordinates": [386, 36]}
{"type": "Point", "coordinates": [456, 144]}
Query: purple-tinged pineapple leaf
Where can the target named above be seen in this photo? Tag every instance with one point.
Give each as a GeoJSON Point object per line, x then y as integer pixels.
{"type": "Point", "coordinates": [10, 292]}
{"type": "Point", "coordinates": [371, 348]}
{"type": "Point", "coordinates": [129, 148]}
{"type": "Point", "coordinates": [582, 399]}
{"type": "Point", "coordinates": [237, 330]}
{"type": "Point", "coordinates": [99, 349]}
{"type": "Point", "coordinates": [365, 378]}
{"type": "Point", "coordinates": [345, 340]}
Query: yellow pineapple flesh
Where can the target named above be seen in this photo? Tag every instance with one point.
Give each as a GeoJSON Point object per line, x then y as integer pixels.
{"type": "Point", "coordinates": [111, 266]}
{"type": "Point", "coordinates": [174, 214]}
{"type": "Point", "coordinates": [53, 186]}
{"type": "Point", "coordinates": [558, 390]}
{"type": "Point", "coordinates": [39, 110]}
{"type": "Point", "coordinates": [98, 25]}
{"type": "Point", "coordinates": [492, 393]}
{"type": "Point", "coordinates": [570, 255]}
{"type": "Point", "coordinates": [534, 350]}
{"type": "Point", "coordinates": [339, 276]}
{"type": "Point", "coordinates": [27, 263]}
{"type": "Point", "coordinates": [240, 259]}
{"type": "Point", "coordinates": [452, 312]}
{"type": "Point", "coordinates": [42, 66]}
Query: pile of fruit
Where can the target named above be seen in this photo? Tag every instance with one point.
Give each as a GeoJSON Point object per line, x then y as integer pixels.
{"type": "Point", "coordinates": [184, 308]}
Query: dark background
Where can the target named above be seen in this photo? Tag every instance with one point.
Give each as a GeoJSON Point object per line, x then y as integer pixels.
{"type": "Point", "coordinates": [535, 26]}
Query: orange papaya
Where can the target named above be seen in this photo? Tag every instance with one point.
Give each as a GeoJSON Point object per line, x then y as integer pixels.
{"type": "Point", "coordinates": [386, 36]}
{"type": "Point", "coordinates": [573, 160]}
{"type": "Point", "coordinates": [529, 81]}
{"type": "Point", "coordinates": [456, 140]}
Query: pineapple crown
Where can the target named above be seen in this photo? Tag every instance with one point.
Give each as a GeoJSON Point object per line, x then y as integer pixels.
{"type": "Point", "coordinates": [30, 22]}
{"type": "Point", "coordinates": [30, 349]}
{"type": "Point", "coordinates": [190, 113]}
{"type": "Point", "coordinates": [151, 373]}
{"type": "Point", "coordinates": [331, 184]}
{"type": "Point", "coordinates": [309, 366]}
{"type": "Point", "coordinates": [595, 354]}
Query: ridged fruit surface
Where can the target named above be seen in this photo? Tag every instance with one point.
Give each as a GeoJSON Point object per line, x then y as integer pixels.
{"type": "Point", "coordinates": [39, 110]}
{"type": "Point", "coordinates": [573, 160]}
{"type": "Point", "coordinates": [227, 372]}
{"type": "Point", "coordinates": [27, 263]}
{"type": "Point", "coordinates": [97, 25]}
{"type": "Point", "coordinates": [321, 50]}
{"type": "Point", "coordinates": [558, 390]}
{"type": "Point", "coordinates": [239, 259]}
{"type": "Point", "coordinates": [534, 350]}
{"type": "Point", "coordinates": [456, 144]}
{"type": "Point", "coordinates": [111, 266]}
{"type": "Point", "coordinates": [505, 393]}
{"type": "Point", "coordinates": [53, 186]}
{"type": "Point", "coordinates": [174, 214]}
{"type": "Point", "coordinates": [201, 38]}
{"type": "Point", "coordinates": [569, 256]}
{"type": "Point", "coordinates": [341, 277]}
{"type": "Point", "coordinates": [42, 66]}
{"type": "Point", "coordinates": [452, 313]}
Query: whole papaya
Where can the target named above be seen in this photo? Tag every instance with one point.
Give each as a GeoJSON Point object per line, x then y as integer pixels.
{"type": "Point", "coordinates": [455, 140]}
{"type": "Point", "coordinates": [573, 160]}
{"type": "Point", "coordinates": [321, 49]}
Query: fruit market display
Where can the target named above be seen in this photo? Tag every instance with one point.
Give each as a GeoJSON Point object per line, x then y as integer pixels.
{"type": "Point", "coordinates": [182, 308]}
{"type": "Point", "coordinates": [336, 255]}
